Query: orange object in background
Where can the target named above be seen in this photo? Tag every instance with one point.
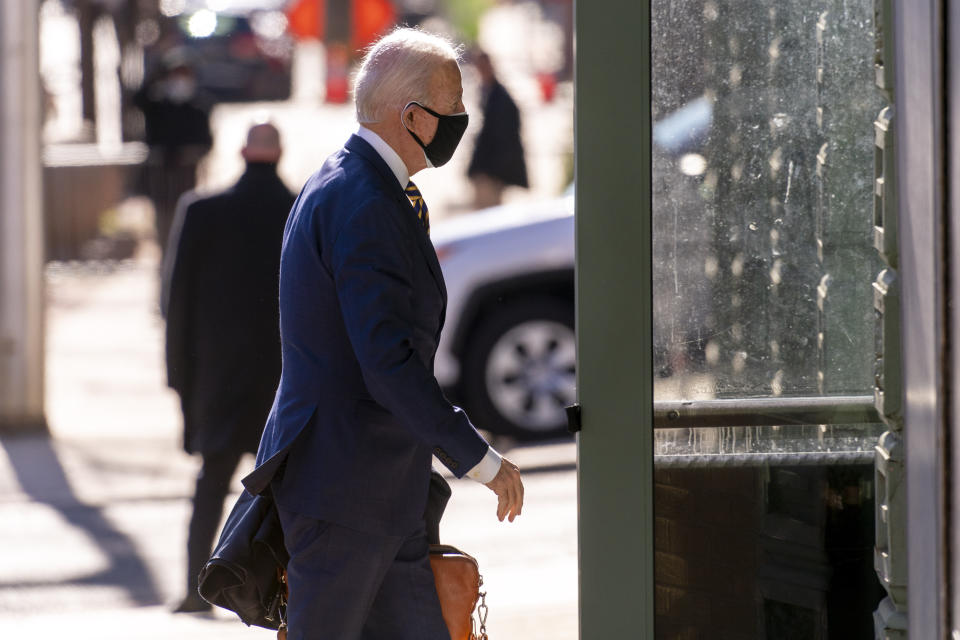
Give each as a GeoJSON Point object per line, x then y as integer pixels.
{"type": "Point", "coordinates": [368, 20]}
{"type": "Point", "coordinates": [338, 72]}
{"type": "Point", "coordinates": [307, 19]}
{"type": "Point", "coordinates": [548, 86]}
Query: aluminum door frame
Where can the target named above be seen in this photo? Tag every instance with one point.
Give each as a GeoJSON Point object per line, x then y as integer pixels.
{"type": "Point", "coordinates": [614, 319]}
{"type": "Point", "coordinates": [925, 240]}
{"type": "Point", "coordinates": [951, 78]}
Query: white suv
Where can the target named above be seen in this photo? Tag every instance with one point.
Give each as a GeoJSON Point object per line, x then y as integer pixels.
{"type": "Point", "coordinates": [508, 350]}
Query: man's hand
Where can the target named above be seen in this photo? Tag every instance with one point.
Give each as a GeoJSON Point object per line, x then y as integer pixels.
{"type": "Point", "coordinates": [509, 489]}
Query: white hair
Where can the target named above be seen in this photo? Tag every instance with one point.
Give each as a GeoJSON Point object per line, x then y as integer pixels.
{"type": "Point", "coordinates": [397, 70]}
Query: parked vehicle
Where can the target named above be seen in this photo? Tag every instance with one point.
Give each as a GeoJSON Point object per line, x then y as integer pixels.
{"type": "Point", "coordinates": [508, 351]}
{"type": "Point", "coordinates": [242, 51]}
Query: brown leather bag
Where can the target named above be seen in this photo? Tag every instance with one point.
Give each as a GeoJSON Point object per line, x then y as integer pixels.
{"type": "Point", "coordinates": [458, 581]}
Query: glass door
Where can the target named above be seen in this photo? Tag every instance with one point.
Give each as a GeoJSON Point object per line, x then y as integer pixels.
{"type": "Point", "coordinates": [732, 358]}
{"type": "Point", "coordinates": [764, 318]}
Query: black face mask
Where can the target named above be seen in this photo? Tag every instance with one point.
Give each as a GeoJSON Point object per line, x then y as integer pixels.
{"type": "Point", "coordinates": [449, 131]}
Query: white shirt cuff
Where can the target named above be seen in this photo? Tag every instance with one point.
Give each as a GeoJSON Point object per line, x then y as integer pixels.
{"type": "Point", "coordinates": [488, 467]}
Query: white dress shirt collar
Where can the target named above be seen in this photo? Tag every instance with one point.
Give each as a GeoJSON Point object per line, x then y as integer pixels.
{"type": "Point", "coordinates": [391, 157]}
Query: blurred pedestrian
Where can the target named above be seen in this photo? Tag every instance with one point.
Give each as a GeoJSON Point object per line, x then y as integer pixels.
{"type": "Point", "coordinates": [497, 160]}
{"type": "Point", "coordinates": [223, 342]}
{"type": "Point", "coordinates": [347, 449]}
{"type": "Point", "coordinates": [177, 132]}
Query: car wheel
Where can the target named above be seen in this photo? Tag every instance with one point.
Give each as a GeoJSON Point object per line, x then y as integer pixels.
{"type": "Point", "coordinates": [519, 369]}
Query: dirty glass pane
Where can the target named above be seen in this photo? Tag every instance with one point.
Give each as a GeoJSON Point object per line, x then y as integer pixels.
{"type": "Point", "coordinates": [763, 173]}
{"type": "Point", "coordinates": [763, 178]}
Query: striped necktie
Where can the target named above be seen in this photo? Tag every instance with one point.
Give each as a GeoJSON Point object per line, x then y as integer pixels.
{"type": "Point", "coordinates": [419, 205]}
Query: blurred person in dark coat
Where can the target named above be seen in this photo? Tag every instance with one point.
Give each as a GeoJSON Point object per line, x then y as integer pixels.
{"type": "Point", "coordinates": [497, 160]}
{"type": "Point", "coordinates": [223, 342]}
{"type": "Point", "coordinates": [177, 132]}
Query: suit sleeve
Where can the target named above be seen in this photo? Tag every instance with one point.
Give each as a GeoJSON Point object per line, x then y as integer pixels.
{"type": "Point", "coordinates": [372, 268]}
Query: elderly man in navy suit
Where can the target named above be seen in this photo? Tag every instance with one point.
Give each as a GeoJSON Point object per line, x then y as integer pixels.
{"type": "Point", "coordinates": [358, 414]}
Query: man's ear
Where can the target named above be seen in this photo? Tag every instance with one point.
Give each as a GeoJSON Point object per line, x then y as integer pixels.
{"type": "Point", "coordinates": [408, 115]}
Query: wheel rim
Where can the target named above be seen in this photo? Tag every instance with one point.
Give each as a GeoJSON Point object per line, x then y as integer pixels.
{"type": "Point", "coordinates": [530, 374]}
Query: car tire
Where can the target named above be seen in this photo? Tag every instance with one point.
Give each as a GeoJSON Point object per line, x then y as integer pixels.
{"type": "Point", "coordinates": [518, 368]}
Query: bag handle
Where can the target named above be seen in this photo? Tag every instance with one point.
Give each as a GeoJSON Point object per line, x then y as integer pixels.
{"type": "Point", "coordinates": [482, 612]}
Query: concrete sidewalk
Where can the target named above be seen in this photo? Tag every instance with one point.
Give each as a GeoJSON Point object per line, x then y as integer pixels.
{"type": "Point", "coordinates": [94, 518]}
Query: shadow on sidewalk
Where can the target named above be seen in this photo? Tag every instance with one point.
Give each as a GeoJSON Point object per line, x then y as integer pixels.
{"type": "Point", "coordinates": [42, 478]}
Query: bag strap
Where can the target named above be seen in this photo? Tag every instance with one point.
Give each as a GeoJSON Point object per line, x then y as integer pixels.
{"type": "Point", "coordinates": [482, 611]}
{"type": "Point", "coordinates": [284, 594]}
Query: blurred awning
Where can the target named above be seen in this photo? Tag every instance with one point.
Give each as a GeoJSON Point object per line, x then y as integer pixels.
{"type": "Point", "coordinates": [368, 20]}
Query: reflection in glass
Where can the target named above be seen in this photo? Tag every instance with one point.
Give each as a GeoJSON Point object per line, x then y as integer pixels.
{"type": "Point", "coordinates": [781, 552]}
{"type": "Point", "coordinates": [763, 178]}
{"type": "Point", "coordinates": [762, 206]}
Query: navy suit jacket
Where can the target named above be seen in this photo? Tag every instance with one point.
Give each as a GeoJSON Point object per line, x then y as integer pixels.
{"type": "Point", "coordinates": [358, 413]}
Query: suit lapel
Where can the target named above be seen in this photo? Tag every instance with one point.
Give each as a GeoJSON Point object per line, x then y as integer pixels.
{"type": "Point", "coordinates": [360, 146]}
